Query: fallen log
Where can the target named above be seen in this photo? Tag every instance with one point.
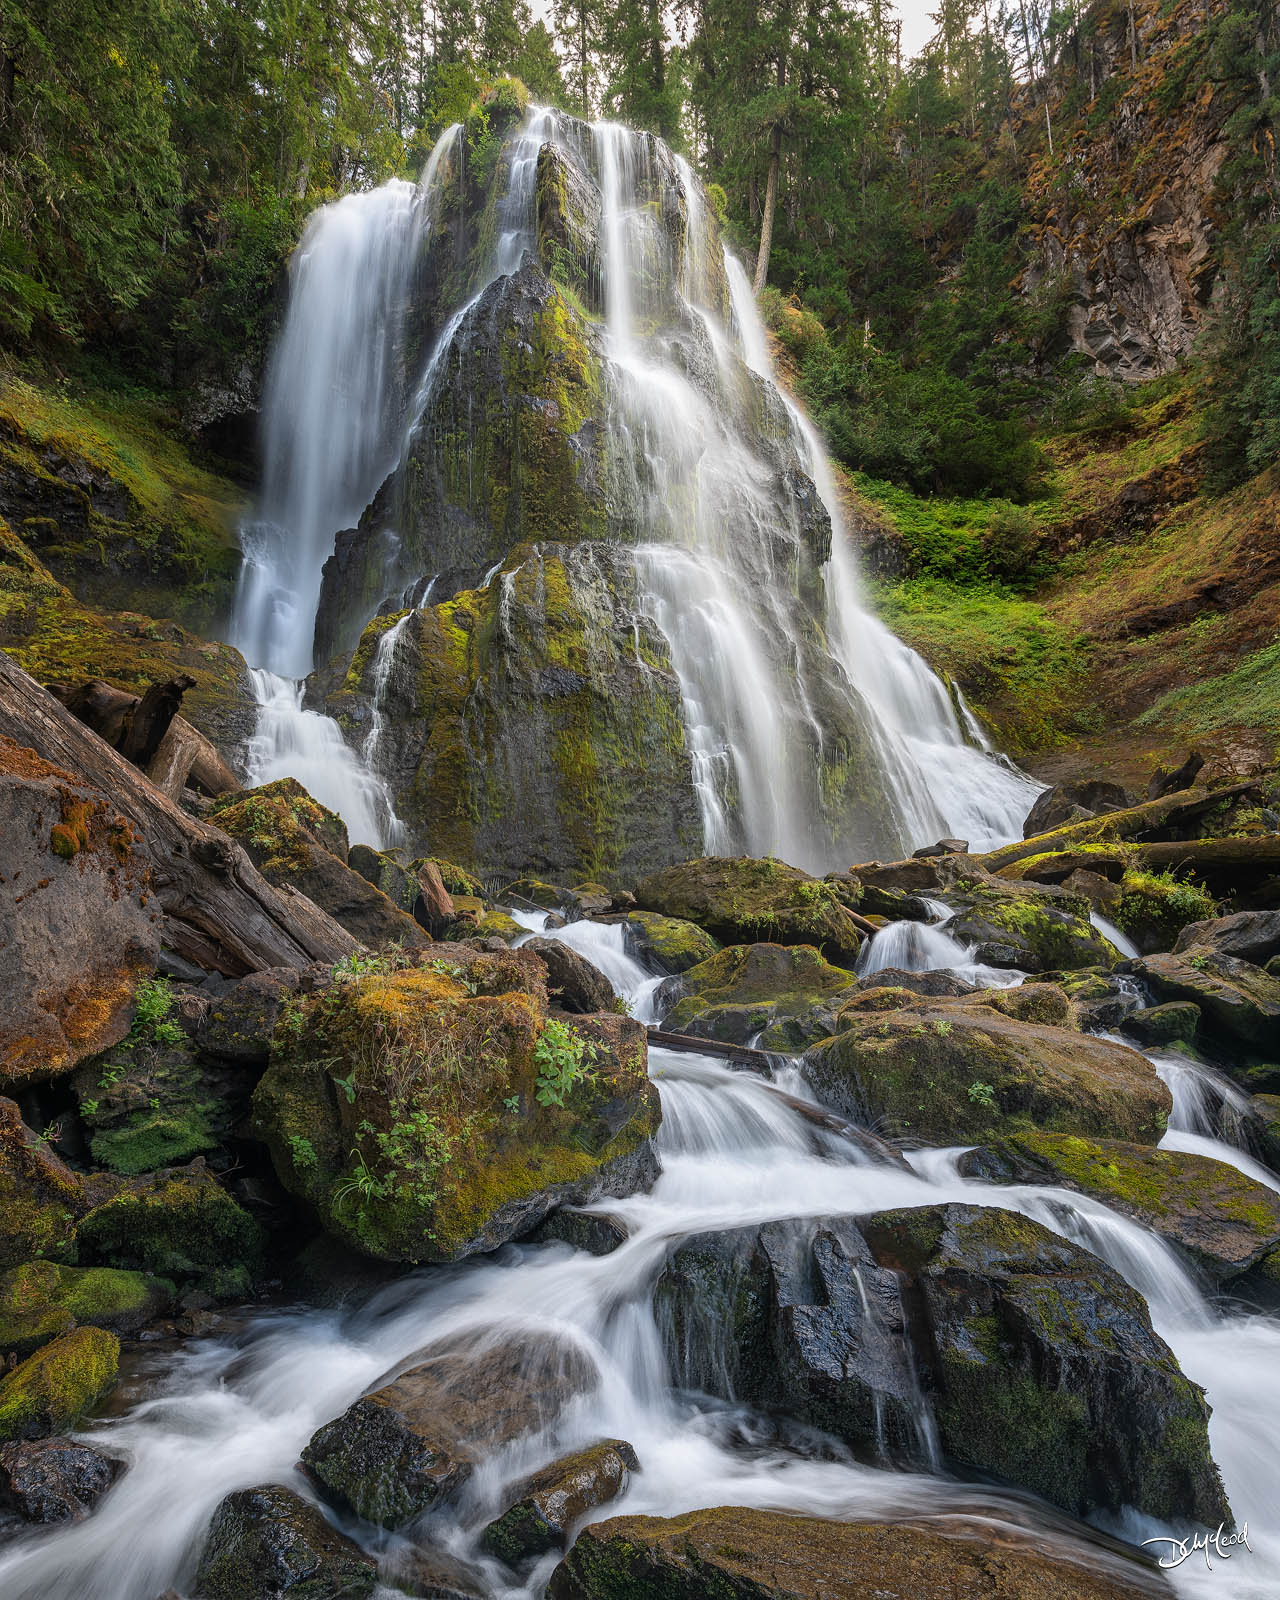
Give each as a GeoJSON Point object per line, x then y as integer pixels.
{"type": "Point", "coordinates": [184, 756]}
{"type": "Point", "coordinates": [759, 1060]}
{"type": "Point", "coordinates": [178, 752]}
{"type": "Point", "coordinates": [217, 909]}
{"type": "Point", "coordinates": [148, 722]}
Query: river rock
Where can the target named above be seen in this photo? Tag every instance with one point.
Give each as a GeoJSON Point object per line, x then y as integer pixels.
{"type": "Point", "coordinates": [1073, 802]}
{"type": "Point", "coordinates": [268, 1543]}
{"type": "Point", "coordinates": [777, 997]}
{"type": "Point", "coordinates": [949, 1073]}
{"type": "Point", "coordinates": [1043, 1368]}
{"type": "Point", "coordinates": [1223, 1220]}
{"type": "Point", "coordinates": [1172, 1023]}
{"type": "Point", "coordinates": [40, 1197]}
{"type": "Point", "coordinates": [447, 1137]}
{"type": "Point", "coordinates": [554, 1499]}
{"type": "Point", "coordinates": [417, 1439]}
{"type": "Point", "coordinates": [1034, 935]}
{"type": "Point", "coordinates": [51, 1390]}
{"type": "Point", "coordinates": [293, 841]}
{"type": "Point", "coordinates": [576, 984]}
{"type": "Point", "coordinates": [740, 900]}
{"type": "Point", "coordinates": [1248, 935]}
{"type": "Point", "coordinates": [238, 1024]}
{"type": "Point", "coordinates": [54, 1480]}
{"type": "Point", "coordinates": [429, 1573]}
{"type": "Point", "coordinates": [667, 942]}
{"type": "Point", "coordinates": [40, 1300]}
{"type": "Point", "coordinates": [768, 1555]}
{"type": "Point", "coordinates": [797, 1317]}
{"type": "Point", "coordinates": [1239, 1003]}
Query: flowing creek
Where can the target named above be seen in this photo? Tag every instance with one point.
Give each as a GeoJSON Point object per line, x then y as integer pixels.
{"type": "Point", "coordinates": [229, 1412]}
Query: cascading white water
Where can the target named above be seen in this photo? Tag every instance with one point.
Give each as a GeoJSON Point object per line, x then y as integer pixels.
{"type": "Point", "coordinates": [231, 1413]}
{"type": "Point", "coordinates": [333, 416]}
{"type": "Point", "coordinates": [604, 945]}
{"type": "Point", "coordinates": [927, 947]}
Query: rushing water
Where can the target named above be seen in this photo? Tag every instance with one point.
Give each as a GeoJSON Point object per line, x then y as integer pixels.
{"type": "Point", "coordinates": [235, 1411]}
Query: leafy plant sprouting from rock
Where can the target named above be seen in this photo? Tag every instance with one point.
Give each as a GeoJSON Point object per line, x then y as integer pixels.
{"type": "Point", "coordinates": [564, 1059]}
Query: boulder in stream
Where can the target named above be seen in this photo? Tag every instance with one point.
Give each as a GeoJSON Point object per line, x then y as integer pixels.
{"type": "Point", "coordinates": [54, 1480]}
{"type": "Point", "coordinates": [773, 996]}
{"type": "Point", "coordinates": [559, 1495]}
{"type": "Point", "coordinates": [415, 1440]}
{"type": "Point", "coordinates": [575, 983]}
{"type": "Point", "coordinates": [770, 1555]}
{"type": "Point", "coordinates": [1239, 1003]}
{"type": "Point", "coordinates": [268, 1543]}
{"type": "Point", "coordinates": [51, 1390]}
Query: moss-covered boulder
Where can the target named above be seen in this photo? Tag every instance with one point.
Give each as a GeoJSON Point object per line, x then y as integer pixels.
{"type": "Point", "coordinates": [179, 1224]}
{"type": "Point", "coordinates": [949, 1073]}
{"type": "Point", "coordinates": [270, 1544]}
{"type": "Point", "coordinates": [1032, 933]}
{"type": "Point", "coordinates": [1248, 935]}
{"type": "Point", "coordinates": [667, 942]}
{"type": "Point", "coordinates": [1239, 1003]}
{"type": "Point", "coordinates": [417, 1439]}
{"type": "Point", "coordinates": [1154, 908]}
{"type": "Point", "coordinates": [547, 1506]}
{"type": "Point", "coordinates": [294, 841]}
{"type": "Point", "coordinates": [535, 721]}
{"type": "Point", "coordinates": [51, 1390]}
{"type": "Point", "coordinates": [40, 1300]}
{"type": "Point", "coordinates": [741, 900]}
{"type": "Point", "coordinates": [1044, 1367]}
{"type": "Point", "coordinates": [1224, 1221]}
{"type": "Point", "coordinates": [41, 1199]}
{"type": "Point", "coordinates": [769, 1555]}
{"type": "Point", "coordinates": [778, 997]}
{"type": "Point", "coordinates": [436, 1111]}
{"type": "Point", "coordinates": [1174, 1022]}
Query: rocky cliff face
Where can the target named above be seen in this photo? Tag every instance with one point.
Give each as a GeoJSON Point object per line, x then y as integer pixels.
{"type": "Point", "coordinates": [1126, 223]}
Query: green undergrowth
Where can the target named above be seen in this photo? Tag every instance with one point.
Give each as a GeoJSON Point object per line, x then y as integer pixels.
{"type": "Point", "coordinates": [1022, 671]}
{"type": "Point", "coordinates": [1248, 695]}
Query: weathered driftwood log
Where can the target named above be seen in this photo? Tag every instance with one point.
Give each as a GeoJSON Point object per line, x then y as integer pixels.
{"type": "Point", "coordinates": [185, 756]}
{"type": "Point", "coordinates": [217, 910]}
{"type": "Point", "coordinates": [149, 731]}
{"type": "Point", "coordinates": [148, 722]}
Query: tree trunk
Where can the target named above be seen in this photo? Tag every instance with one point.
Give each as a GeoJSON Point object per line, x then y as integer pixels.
{"type": "Point", "coordinates": [770, 207]}
{"type": "Point", "coordinates": [185, 757]}
{"type": "Point", "coordinates": [217, 910]}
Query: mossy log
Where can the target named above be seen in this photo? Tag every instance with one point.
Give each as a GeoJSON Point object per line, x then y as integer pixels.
{"type": "Point", "coordinates": [216, 909]}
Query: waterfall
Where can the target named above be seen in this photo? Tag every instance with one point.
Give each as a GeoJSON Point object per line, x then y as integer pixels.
{"type": "Point", "coordinates": [333, 407]}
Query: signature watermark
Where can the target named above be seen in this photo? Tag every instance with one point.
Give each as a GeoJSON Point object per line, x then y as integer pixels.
{"type": "Point", "coordinates": [1221, 1543]}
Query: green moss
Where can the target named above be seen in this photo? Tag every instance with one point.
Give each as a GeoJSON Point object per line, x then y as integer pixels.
{"type": "Point", "coordinates": [274, 821]}
{"type": "Point", "coordinates": [676, 945]}
{"type": "Point", "coordinates": [51, 1390]}
{"type": "Point", "coordinates": [39, 1301]}
{"type": "Point", "coordinates": [1154, 907]}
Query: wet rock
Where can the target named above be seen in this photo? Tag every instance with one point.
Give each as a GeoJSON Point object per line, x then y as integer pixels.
{"type": "Point", "coordinates": [574, 983]}
{"type": "Point", "coordinates": [270, 1544]}
{"type": "Point", "coordinates": [915, 876]}
{"type": "Point", "coordinates": [434, 1574]}
{"type": "Point", "coordinates": [590, 899]}
{"type": "Point", "coordinates": [949, 1073]}
{"type": "Point", "coordinates": [76, 929]}
{"type": "Point", "coordinates": [667, 942]}
{"type": "Point", "coordinates": [238, 1024]}
{"type": "Point", "coordinates": [1248, 936]}
{"type": "Point", "coordinates": [54, 1480]}
{"type": "Point", "coordinates": [767, 1555]}
{"type": "Point", "coordinates": [1223, 1220]}
{"type": "Point", "coordinates": [1095, 887]}
{"type": "Point", "coordinates": [796, 1317]}
{"type": "Point", "coordinates": [40, 1300]}
{"type": "Point", "coordinates": [178, 1224]}
{"type": "Point", "coordinates": [40, 1197]}
{"type": "Point", "coordinates": [476, 1115]}
{"type": "Point", "coordinates": [776, 997]}
{"type": "Point", "coordinates": [51, 1390]}
{"type": "Point", "coordinates": [740, 900]}
{"type": "Point", "coordinates": [1043, 1367]}
{"type": "Point", "coordinates": [943, 847]}
{"type": "Point", "coordinates": [415, 1440]}
{"type": "Point", "coordinates": [293, 842]}
{"type": "Point", "coordinates": [938, 984]}
{"type": "Point", "coordinates": [1174, 1022]}
{"type": "Point", "coordinates": [1033, 934]}
{"type": "Point", "coordinates": [1239, 1003]}
{"type": "Point", "coordinates": [1073, 802]}
{"type": "Point", "coordinates": [326, 1273]}
{"type": "Point", "coordinates": [548, 1505]}
{"type": "Point", "coordinates": [591, 1231]}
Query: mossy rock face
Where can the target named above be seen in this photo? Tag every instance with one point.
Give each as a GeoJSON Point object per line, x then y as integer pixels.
{"type": "Point", "coordinates": [178, 1224]}
{"type": "Point", "coordinates": [1033, 934]}
{"type": "Point", "coordinates": [41, 1300]}
{"type": "Point", "coordinates": [668, 942]}
{"type": "Point", "coordinates": [1154, 908]}
{"type": "Point", "coordinates": [535, 722]}
{"type": "Point", "coordinates": [146, 1107]}
{"type": "Point", "coordinates": [782, 997]}
{"type": "Point", "coordinates": [408, 1443]}
{"type": "Point", "coordinates": [41, 1199]}
{"type": "Point", "coordinates": [1046, 1370]}
{"type": "Point", "coordinates": [769, 1555]}
{"type": "Point", "coordinates": [553, 1500]}
{"type": "Point", "coordinates": [744, 899]}
{"type": "Point", "coordinates": [950, 1073]}
{"type": "Point", "coordinates": [1225, 1221]}
{"type": "Point", "coordinates": [270, 1541]}
{"type": "Point", "coordinates": [58, 639]}
{"type": "Point", "coordinates": [295, 842]}
{"type": "Point", "coordinates": [529, 891]}
{"type": "Point", "coordinates": [1175, 1022]}
{"type": "Point", "coordinates": [51, 1390]}
{"type": "Point", "coordinates": [1239, 1003]}
{"type": "Point", "coordinates": [414, 1110]}
{"type": "Point", "coordinates": [495, 924]}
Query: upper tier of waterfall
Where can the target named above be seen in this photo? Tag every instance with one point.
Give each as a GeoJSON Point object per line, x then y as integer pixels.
{"type": "Point", "coordinates": [546, 388]}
